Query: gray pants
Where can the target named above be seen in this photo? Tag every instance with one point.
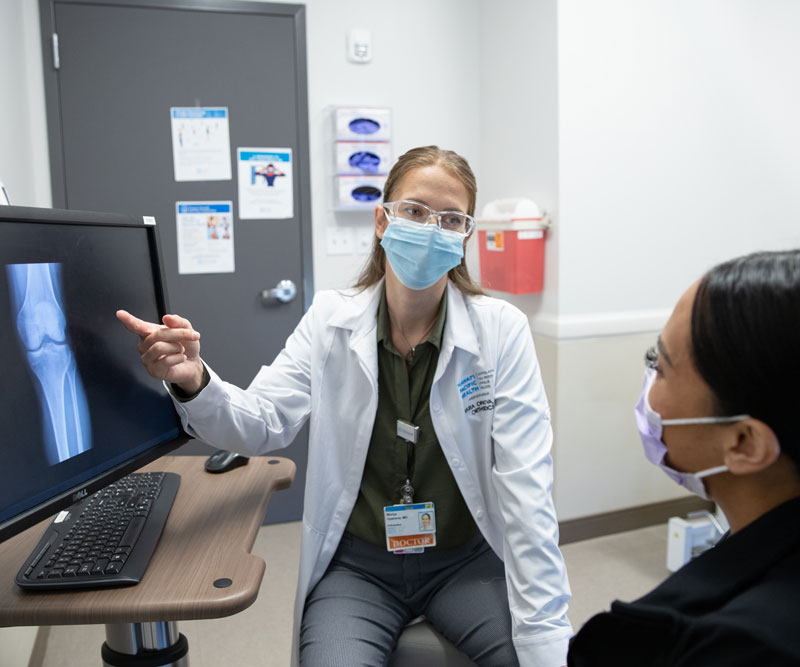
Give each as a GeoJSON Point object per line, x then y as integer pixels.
{"type": "Point", "coordinates": [356, 612]}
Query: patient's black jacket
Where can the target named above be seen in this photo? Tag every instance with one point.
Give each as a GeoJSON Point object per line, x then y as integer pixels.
{"type": "Point", "coordinates": [736, 604]}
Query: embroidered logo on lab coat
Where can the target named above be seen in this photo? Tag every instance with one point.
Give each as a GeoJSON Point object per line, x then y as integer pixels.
{"type": "Point", "coordinates": [477, 392]}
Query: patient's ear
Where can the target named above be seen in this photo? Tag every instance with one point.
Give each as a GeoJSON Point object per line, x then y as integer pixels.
{"type": "Point", "coordinates": [755, 449]}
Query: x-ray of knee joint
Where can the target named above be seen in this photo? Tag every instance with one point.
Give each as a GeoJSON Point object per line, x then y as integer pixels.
{"type": "Point", "coordinates": [42, 330]}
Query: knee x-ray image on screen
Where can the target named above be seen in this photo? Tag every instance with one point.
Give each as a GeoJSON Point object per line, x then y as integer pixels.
{"type": "Point", "coordinates": [38, 313]}
{"type": "Point", "coordinates": [76, 404]}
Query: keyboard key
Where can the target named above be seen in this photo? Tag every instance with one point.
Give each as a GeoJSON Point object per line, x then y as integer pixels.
{"type": "Point", "coordinates": [134, 528]}
{"type": "Point", "coordinates": [100, 566]}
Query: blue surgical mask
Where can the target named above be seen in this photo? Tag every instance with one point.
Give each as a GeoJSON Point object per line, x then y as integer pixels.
{"type": "Point", "coordinates": [421, 254]}
{"type": "Point", "coordinates": [651, 425]}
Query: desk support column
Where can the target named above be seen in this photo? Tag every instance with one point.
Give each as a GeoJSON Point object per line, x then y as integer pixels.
{"type": "Point", "coordinates": [155, 644]}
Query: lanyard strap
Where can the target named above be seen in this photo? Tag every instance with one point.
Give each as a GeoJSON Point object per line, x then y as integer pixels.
{"type": "Point", "coordinates": [409, 433]}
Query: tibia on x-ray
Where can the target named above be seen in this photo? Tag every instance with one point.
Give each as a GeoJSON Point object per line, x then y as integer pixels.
{"type": "Point", "coordinates": [42, 330]}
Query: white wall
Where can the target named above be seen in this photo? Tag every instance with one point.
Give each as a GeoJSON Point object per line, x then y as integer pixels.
{"type": "Point", "coordinates": [519, 118]}
{"type": "Point", "coordinates": [675, 143]}
{"type": "Point", "coordinates": [599, 465]}
{"type": "Point", "coordinates": [677, 149]}
{"type": "Point", "coordinates": [24, 162]}
{"type": "Point", "coordinates": [678, 142]}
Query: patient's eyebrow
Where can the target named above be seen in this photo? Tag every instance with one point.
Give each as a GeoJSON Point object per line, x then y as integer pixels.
{"type": "Point", "coordinates": [662, 351]}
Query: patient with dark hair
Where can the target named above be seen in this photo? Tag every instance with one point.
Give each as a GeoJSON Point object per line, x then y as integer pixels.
{"type": "Point", "coordinates": [718, 413]}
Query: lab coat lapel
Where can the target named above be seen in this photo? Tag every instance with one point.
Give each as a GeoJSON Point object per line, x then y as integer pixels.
{"type": "Point", "coordinates": [359, 316]}
{"type": "Point", "coordinates": [459, 330]}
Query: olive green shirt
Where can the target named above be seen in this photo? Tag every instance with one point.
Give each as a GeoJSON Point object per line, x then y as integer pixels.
{"type": "Point", "coordinates": [404, 391]}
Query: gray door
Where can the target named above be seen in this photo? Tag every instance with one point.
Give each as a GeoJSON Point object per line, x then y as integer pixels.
{"type": "Point", "coordinates": [121, 67]}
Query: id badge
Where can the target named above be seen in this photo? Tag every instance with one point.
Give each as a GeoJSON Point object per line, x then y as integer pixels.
{"type": "Point", "coordinates": [410, 529]}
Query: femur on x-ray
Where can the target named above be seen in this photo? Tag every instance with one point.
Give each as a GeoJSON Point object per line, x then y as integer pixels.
{"type": "Point", "coordinates": [42, 331]}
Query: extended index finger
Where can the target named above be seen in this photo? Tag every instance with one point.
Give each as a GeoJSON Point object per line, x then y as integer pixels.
{"type": "Point", "coordinates": [135, 325]}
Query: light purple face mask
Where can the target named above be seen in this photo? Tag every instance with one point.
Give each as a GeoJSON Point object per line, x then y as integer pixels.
{"type": "Point", "coordinates": [651, 426]}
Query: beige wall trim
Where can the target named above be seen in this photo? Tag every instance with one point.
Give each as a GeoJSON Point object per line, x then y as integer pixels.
{"type": "Point", "coordinates": [632, 518]}
{"type": "Point", "coordinates": [39, 647]}
{"type": "Point", "coordinates": [593, 325]}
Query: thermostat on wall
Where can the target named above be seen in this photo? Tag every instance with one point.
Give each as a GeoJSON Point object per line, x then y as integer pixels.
{"type": "Point", "coordinates": [359, 45]}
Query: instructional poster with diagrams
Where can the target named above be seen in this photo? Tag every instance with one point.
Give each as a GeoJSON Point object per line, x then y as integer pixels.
{"type": "Point", "coordinates": [201, 145]}
{"type": "Point", "coordinates": [266, 187]}
{"type": "Point", "coordinates": [205, 236]}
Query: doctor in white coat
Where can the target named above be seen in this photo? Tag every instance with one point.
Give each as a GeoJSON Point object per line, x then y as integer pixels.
{"type": "Point", "coordinates": [425, 397]}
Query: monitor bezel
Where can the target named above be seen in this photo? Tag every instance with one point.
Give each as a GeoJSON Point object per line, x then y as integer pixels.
{"type": "Point", "coordinates": [25, 214]}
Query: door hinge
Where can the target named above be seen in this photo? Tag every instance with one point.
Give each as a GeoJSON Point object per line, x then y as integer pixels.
{"type": "Point", "coordinates": [56, 58]}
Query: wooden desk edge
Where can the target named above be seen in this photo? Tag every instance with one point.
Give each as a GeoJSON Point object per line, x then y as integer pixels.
{"type": "Point", "coordinates": [213, 524]}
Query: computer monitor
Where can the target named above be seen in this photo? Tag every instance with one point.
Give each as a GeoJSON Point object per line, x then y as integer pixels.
{"type": "Point", "coordinates": [77, 409]}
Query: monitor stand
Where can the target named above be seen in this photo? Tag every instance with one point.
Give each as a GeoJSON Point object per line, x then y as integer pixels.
{"type": "Point", "coordinates": [159, 641]}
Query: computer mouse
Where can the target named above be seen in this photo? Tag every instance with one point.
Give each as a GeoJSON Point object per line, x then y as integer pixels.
{"type": "Point", "coordinates": [222, 460]}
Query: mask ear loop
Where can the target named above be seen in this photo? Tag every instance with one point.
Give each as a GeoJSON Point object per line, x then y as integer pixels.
{"type": "Point", "coordinates": [704, 420]}
{"type": "Point", "coordinates": [686, 420]}
{"type": "Point", "coordinates": [711, 471]}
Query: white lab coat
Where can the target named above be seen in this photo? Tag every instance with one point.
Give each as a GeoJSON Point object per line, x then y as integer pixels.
{"type": "Point", "coordinates": [490, 414]}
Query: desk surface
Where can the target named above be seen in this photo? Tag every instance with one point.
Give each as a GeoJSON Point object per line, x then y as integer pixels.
{"type": "Point", "coordinates": [208, 536]}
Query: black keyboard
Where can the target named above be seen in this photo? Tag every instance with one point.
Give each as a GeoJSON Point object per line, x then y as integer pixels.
{"type": "Point", "coordinates": [106, 539]}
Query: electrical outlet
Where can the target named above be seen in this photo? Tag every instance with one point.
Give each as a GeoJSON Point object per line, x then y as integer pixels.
{"type": "Point", "coordinates": [341, 240]}
{"type": "Point", "coordinates": [364, 237]}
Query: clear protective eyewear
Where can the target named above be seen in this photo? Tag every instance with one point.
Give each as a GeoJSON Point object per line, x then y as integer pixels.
{"type": "Point", "coordinates": [414, 211]}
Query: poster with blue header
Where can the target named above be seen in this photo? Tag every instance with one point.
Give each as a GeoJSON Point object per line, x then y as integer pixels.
{"type": "Point", "coordinates": [266, 189]}
{"type": "Point", "coordinates": [205, 236]}
{"type": "Point", "coordinates": [201, 146]}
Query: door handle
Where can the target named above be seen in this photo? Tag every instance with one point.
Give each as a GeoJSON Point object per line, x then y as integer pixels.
{"type": "Point", "coordinates": [284, 292]}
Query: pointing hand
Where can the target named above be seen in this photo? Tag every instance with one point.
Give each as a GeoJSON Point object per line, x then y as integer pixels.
{"type": "Point", "coordinates": [169, 351]}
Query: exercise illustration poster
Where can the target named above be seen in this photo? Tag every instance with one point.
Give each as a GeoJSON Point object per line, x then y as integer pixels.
{"type": "Point", "coordinates": [266, 187]}
{"type": "Point", "coordinates": [201, 146]}
{"type": "Point", "coordinates": [205, 236]}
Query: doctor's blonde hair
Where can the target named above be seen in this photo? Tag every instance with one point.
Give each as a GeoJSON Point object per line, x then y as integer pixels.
{"type": "Point", "coordinates": [424, 156]}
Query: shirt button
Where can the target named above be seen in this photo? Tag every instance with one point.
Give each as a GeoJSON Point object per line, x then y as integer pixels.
{"type": "Point", "coordinates": [456, 463]}
{"type": "Point", "coordinates": [479, 514]}
{"type": "Point", "coordinates": [436, 407]}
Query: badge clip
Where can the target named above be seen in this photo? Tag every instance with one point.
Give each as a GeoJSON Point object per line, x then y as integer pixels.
{"type": "Point", "coordinates": [407, 493]}
{"type": "Point", "coordinates": [408, 432]}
